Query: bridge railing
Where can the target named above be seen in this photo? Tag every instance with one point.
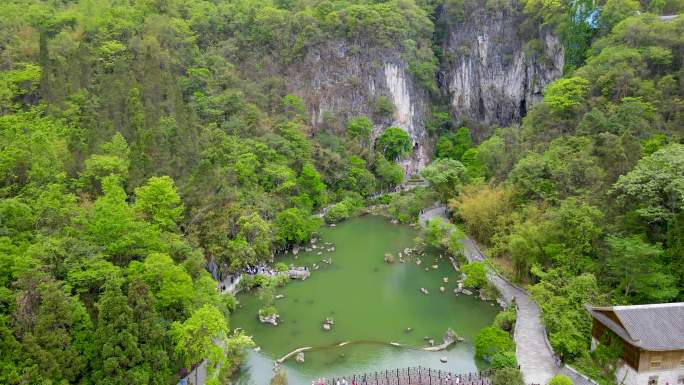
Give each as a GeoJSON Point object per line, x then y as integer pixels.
{"type": "Point", "coordinates": [411, 376]}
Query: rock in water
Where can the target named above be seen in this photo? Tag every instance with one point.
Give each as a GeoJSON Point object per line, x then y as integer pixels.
{"type": "Point", "coordinates": [442, 289]}
{"type": "Point", "coordinates": [424, 290]}
{"type": "Point", "coordinates": [327, 327]}
{"type": "Point", "coordinates": [300, 357]}
{"type": "Point", "coordinates": [271, 319]}
{"type": "Point", "coordinates": [443, 360]}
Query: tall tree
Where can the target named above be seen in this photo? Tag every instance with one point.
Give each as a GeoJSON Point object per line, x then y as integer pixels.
{"type": "Point", "coordinates": [635, 266]}
{"type": "Point", "coordinates": [158, 202]}
{"type": "Point", "coordinates": [119, 359]}
{"type": "Point", "coordinates": [202, 336]}
{"type": "Point", "coordinates": [150, 332]}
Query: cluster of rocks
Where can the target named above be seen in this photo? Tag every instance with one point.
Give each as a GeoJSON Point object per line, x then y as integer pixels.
{"type": "Point", "coordinates": [449, 338]}
{"type": "Point", "coordinates": [405, 255]}
{"type": "Point", "coordinates": [299, 272]}
{"type": "Point", "coordinates": [460, 289]}
{"type": "Point", "coordinates": [408, 253]}
{"type": "Point", "coordinates": [272, 319]}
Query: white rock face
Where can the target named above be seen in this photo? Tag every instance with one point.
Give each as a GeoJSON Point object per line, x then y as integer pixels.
{"type": "Point", "coordinates": [494, 75]}
{"type": "Point", "coordinates": [401, 97]}
{"type": "Point", "coordinates": [340, 81]}
{"type": "Point", "coordinates": [405, 116]}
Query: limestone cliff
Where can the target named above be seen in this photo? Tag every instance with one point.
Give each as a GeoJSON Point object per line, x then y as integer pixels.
{"type": "Point", "coordinates": [341, 80]}
{"type": "Point", "coordinates": [496, 62]}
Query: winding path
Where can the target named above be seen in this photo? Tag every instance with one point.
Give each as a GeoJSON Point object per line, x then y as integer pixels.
{"type": "Point", "coordinates": [535, 357]}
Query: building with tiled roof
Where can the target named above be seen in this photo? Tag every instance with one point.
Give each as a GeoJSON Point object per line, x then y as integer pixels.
{"type": "Point", "coordinates": [652, 338]}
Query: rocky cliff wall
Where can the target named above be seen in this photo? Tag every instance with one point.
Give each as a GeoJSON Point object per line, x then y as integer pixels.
{"type": "Point", "coordinates": [339, 81]}
{"type": "Point", "coordinates": [495, 65]}
{"type": "Point", "coordinates": [496, 62]}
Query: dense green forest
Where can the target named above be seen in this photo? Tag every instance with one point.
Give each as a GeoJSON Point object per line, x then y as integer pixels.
{"type": "Point", "coordinates": [140, 139]}
{"type": "Point", "coordinates": [584, 200]}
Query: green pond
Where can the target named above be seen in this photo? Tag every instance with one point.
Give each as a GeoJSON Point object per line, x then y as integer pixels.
{"type": "Point", "coordinates": [372, 302]}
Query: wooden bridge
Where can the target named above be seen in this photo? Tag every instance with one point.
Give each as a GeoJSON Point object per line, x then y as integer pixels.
{"type": "Point", "coordinates": [412, 376]}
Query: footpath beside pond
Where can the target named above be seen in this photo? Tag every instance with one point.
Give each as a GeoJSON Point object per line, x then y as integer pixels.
{"type": "Point", "coordinates": [535, 357]}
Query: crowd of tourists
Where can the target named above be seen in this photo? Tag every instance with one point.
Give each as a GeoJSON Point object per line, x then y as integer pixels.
{"type": "Point", "coordinates": [260, 269]}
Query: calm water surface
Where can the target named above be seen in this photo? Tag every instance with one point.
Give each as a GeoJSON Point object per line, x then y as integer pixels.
{"type": "Point", "coordinates": [371, 301]}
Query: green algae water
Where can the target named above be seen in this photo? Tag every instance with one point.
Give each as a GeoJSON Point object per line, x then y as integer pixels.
{"type": "Point", "coordinates": [373, 303]}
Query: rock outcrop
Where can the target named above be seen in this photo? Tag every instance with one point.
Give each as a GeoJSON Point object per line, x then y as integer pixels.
{"type": "Point", "coordinates": [496, 61]}
{"type": "Point", "coordinates": [341, 80]}
{"type": "Point", "coordinates": [495, 64]}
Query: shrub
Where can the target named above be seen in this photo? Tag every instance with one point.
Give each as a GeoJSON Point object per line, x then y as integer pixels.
{"type": "Point", "coordinates": [229, 301]}
{"type": "Point", "coordinates": [280, 280]}
{"type": "Point", "coordinates": [476, 274]}
{"type": "Point", "coordinates": [406, 207]}
{"type": "Point", "coordinates": [505, 320]}
{"type": "Point", "coordinates": [384, 199]}
{"type": "Point", "coordinates": [383, 106]}
{"type": "Point", "coordinates": [560, 379]}
{"type": "Point", "coordinates": [336, 213]}
{"type": "Point", "coordinates": [492, 340]}
{"type": "Point", "coordinates": [394, 143]}
{"type": "Point", "coordinates": [261, 280]}
{"type": "Point", "coordinates": [268, 311]}
{"type": "Point", "coordinates": [360, 127]}
{"type": "Point", "coordinates": [504, 360]}
{"type": "Point", "coordinates": [508, 376]}
{"type": "Point", "coordinates": [247, 282]}
{"type": "Point", "coordinates": [281, 267]}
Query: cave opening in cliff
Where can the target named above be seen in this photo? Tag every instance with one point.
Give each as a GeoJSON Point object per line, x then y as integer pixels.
{"type": "Point", "coordinates": [523, 108]}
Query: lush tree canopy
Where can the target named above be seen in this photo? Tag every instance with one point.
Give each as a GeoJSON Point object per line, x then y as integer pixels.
{"type": "Point", "coordinates": [394, 143]}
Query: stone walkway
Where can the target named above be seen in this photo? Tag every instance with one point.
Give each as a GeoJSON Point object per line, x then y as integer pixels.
{"type": "Point", "coordinates": [535, 357]}
{"type": "Point", "coordinates": [228, 287]}
{"type": "Point", "coordinates": [197, 376]}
